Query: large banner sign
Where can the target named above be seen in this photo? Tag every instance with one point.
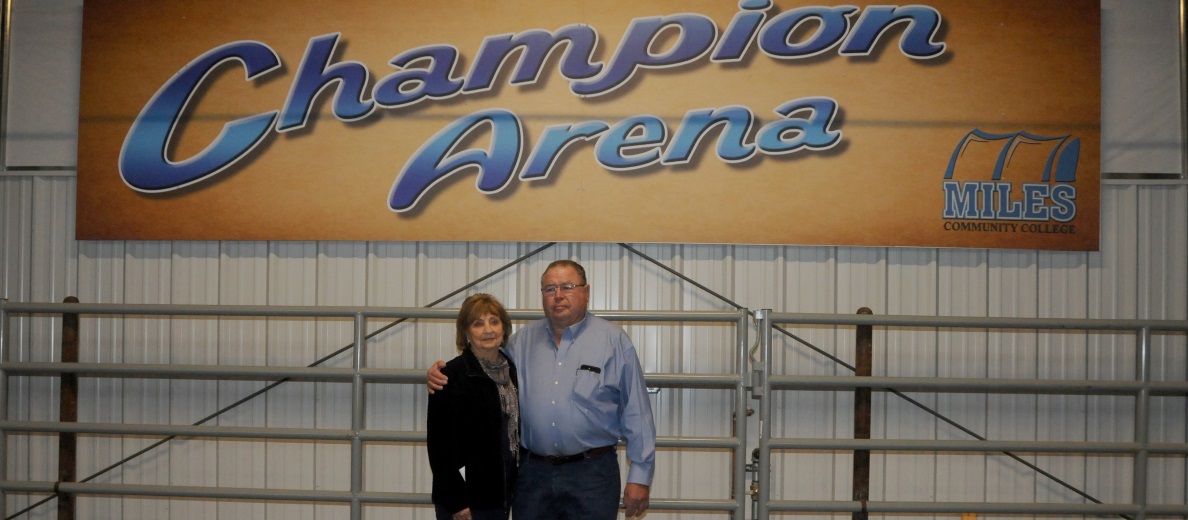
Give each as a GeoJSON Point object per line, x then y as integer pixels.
{"type": "Point", "coordinates": [950, 123]}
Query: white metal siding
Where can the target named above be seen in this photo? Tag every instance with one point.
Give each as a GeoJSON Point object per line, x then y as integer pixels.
{"type": "Point", "coordinates": [1140, 273]}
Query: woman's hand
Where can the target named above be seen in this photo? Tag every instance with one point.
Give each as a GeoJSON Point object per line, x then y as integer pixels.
{"type": "Point", "coordinates": [463, 515]}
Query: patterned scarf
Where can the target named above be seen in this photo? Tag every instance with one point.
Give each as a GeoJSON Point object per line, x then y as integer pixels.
{"type": "Point", "coordinates": [498, 370]}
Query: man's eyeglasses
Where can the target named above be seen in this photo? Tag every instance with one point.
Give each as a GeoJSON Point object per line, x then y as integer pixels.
{"type": "Point", "coordinates": [565, 288]}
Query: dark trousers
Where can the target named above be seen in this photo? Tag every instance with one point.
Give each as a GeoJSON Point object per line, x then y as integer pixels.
{"type": "Point", "coordinates": [581, 490]}
{"type": "Point", "coordinates": [477, 514]}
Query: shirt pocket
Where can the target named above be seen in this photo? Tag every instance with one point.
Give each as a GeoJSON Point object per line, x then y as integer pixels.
{"type": "Point", "coordinates": [595, 397]}
{"type": "Point", "coordinates": [586, 385]}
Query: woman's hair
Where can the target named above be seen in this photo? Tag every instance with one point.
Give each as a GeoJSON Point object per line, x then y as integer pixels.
{"type": "Point", "coordinates": [475, 306]}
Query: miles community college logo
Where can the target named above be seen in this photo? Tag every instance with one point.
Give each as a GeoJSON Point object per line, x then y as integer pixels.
{"type": "Point", "coordinates": [1012, 183]}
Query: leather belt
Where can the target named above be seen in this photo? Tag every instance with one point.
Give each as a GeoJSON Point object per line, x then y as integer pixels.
{"type": "Point", "coordinates": [558, 460]}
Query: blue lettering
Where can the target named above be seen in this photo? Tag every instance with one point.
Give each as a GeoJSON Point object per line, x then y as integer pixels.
{"type": "Point", "coordinates": [832, 27]}
{"type": "Point", "coordinates": [987, 190]}
{"type": "Point", "coordinates": [697, 35]}
{"type": "Point", "coordinates": [143, 163]}
{"type": "Point", "coordinates": [315, 74]}
{"type": "Point", "coordinates": [632, 143]}
{"type": "Point", "coordinates": [437, 159]}
{"type": "Point", "coordinates": [741, 31]}
{"type": "Point", "coordinates": [412, 85]}
{"type": "Point", "coordinates": [1007, 209]}
{"type": "Point", "coordinates": [813, 133]}
{"type": "Point", "coordinates": [536, 46]}
{"type": "Point", "coordinates": [923, 24]}
{"type": "Point", "coordinates": [1064, 207]}
{"type": "Point", "coordinates": [731, 148]}
{"type": "Point", "coordinates": [1035, 197]}
{"type": "Point", "coordinates": [427, 73]}
{"type": "Point", "coordinates": [553, 140]}
{"type": "Point", "coordinates": [960, 199]}
{"type": "Point", "coordinates": [632, 133]}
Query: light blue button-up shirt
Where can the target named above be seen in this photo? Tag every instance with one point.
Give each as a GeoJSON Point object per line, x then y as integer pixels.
{"type": "Point", "coordinates": [587, 392]}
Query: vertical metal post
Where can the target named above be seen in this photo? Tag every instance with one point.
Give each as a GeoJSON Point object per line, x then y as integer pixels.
{"type": "Point", "coordinates": [740, 415]}
{"type": "Point", "coordinates": [5, 46]}
{"type": "Point", "coordinates": [1183, 84]}
{"type": "Point", "coordinates": [357, 393]}
{"type": "Point", "coordinates": [763, 392]}
{"type": "Point", "coordinates": [1142, 413]}
{"type": "Point", "coordinates": [863, 361]}
{"type": "Point", "coordinates": [68, 411]}
{"type": "Point", "coordinates": [3, 396]}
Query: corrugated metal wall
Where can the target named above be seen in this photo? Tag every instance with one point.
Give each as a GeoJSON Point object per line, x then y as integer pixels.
{"type": "Point", "coordinates": [1140, 272]}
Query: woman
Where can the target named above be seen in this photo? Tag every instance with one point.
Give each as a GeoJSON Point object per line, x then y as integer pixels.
{"type": "Point", "coordinates": [474, 423]}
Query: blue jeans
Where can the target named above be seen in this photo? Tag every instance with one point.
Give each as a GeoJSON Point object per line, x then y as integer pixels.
{"type": "Point", "coordinates": [582, 490]}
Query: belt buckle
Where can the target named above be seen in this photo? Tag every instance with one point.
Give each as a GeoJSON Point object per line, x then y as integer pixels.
{"type": "Point", "coordinates": [566, 459]}
{"type": "Point", "coordinates": [558, 460]}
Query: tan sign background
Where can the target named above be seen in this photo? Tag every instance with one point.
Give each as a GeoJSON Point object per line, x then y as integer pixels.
{"type": "Point", "coordinates": [1009, 66]}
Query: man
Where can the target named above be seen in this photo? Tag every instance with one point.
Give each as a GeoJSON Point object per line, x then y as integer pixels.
{"type": "Point", "coordinates": [581, 390]}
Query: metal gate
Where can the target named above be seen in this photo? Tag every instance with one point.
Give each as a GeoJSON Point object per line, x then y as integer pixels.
{"type": "Point", "coordinates": [751, 382]}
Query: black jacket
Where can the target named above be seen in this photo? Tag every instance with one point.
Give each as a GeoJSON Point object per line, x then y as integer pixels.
{"type": "Point", "coordinates": [464, 428]}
